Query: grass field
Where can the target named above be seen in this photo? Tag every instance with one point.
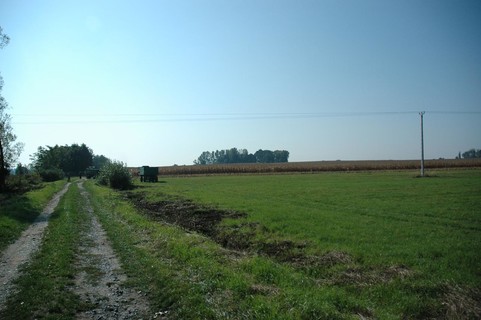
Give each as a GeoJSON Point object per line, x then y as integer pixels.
{"type": "Point", "coordinates": [388, 217]}
{"type": "Point", "coordinates": [332, 245]}
{"type": "Point", "coordinates": [337, 245]}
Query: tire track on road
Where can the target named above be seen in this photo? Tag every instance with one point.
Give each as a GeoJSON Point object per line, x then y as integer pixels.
{"type": "Point", "coordinates": [20, 252]}
{"type": "Point", "coordinates": [100, 280]}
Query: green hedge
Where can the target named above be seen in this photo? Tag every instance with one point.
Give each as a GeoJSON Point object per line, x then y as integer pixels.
{"type": "Point", "coordinates": [115, 175]}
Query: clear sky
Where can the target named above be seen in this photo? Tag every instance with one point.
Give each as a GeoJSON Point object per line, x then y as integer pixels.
{"type": "Point", "coordinates": [158, 82]}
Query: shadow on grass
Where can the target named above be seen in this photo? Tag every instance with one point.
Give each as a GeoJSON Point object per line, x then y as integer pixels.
{"type": "Point", "coordinates": [20, 208]}
{"type": "Point", "coordinates": [16, 213]}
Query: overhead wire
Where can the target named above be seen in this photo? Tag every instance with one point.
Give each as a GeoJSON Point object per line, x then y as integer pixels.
{"type": "Point", "coordinates": [200, 117]}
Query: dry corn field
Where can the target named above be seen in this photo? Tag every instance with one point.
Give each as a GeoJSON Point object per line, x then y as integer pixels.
{"type": "Point", "coordinates": [317, 166]}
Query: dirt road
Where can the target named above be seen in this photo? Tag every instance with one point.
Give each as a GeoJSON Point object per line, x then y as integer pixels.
{"type": "Point", "coordinates": [22, 250]}
{"type": "Point", "coordinates": [99, 282]}
{"type": "Point", "coordinates": [100, 279]}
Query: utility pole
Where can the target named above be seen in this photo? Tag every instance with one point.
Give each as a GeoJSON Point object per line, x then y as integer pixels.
{"type": "Point", "coordinates": [422, 143]}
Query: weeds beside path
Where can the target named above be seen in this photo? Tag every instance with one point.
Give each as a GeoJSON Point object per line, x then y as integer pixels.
{"type": "Point", "coordinates": [21, 250]}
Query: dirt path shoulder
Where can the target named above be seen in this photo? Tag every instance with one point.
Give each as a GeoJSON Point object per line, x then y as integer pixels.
{"type": "Point", "coordinates": [100, 280]}
{"type": "Point", "coordinates": [22, 250]}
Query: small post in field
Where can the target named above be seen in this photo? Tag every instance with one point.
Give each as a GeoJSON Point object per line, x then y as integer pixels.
{"type": "Point", "coordinates": [422, 143]}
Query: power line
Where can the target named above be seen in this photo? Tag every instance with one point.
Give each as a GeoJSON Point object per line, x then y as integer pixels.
{"type": "Point", "coordinates": [454, 112]}
{"type": "Point", "coordinates": [232, 114]}
{"type": "Point", "coordinates": [200, 117]}
{"type": "Point", "coordinates": [339, 113]}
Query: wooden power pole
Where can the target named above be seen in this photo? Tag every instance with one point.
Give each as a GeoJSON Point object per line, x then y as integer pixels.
{"type": "Point", "coordinates": [422, 143]}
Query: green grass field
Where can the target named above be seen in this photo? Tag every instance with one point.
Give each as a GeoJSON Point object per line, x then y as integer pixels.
{"type": "Point", "coordinates": [388, 217]}
{"type": "Point", "coordinates": [375, 245]}
{"type": "Point", "coordinates": [402, 246]}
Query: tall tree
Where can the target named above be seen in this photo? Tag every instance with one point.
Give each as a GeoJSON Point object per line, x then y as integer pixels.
{"type": "Point", "coordinates": [281, 156]}
{"type": "Point", "coordinates": [9, 150]}
{"type": "Point", "coordinates": [4, 39]}
{"type": "Point", "coordinates": [70, 159]}
{"type": "Point", "coordinates": [204, 158]}
{"type": "Point", "coordinates": [472, 153]}
{"type": "Point", "coordinates": [98, 161]}
{"type": "Point", "coordinates": [79, 158]}
{"type": "Point", "coordinates": [264, 156]}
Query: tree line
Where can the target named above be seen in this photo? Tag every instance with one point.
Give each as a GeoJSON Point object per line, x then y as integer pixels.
{"type": "Point", "coordinates": [470, 154]}
{"type": "Point", "coordinates": [53, 163]}
{"type": "Point", "coordinates": [235, 155]}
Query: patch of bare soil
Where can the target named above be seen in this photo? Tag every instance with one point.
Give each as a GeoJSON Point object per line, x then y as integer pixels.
{"type": "Point", "coordinates": [185, 213]}
{"type": "Point", "coordinates": [363, 277]}
{"type": "Point", "coordinates": [241, 236]}
{"type": "Point", "coordinates": [20, 252]}
{"type": "Point", "coordinates": [461, 302]}
{"type": "Point", "coordinates": [100, 281]}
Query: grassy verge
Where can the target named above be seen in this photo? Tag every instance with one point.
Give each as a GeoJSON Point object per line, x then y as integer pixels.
{"type": "Point", "coordinates": [17, 212]}
{"type": "Point", "coordinates": [43, 286]}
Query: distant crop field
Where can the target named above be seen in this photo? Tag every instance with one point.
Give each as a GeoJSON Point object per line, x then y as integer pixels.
{"type": "Point", "coordinates": [339, 245]}
{"type": "Point", "coordinates": [317, 166]}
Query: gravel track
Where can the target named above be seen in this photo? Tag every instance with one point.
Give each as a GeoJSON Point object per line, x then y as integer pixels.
{"type": "Point", "coordinates": [100, 280]}
{"type": "Point", "coordinates": [20, 252]}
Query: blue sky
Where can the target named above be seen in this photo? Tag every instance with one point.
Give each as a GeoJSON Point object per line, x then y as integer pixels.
{"type": "Point", "coordinates": [158, 82]}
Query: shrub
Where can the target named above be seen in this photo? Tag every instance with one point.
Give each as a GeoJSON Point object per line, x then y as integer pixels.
{"type": "Point", "coordinates": [115, 175]}
{"type": "Point", "coordinates": [23, 183]}
{"type": "Point", "coordinates": [49, 175]}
